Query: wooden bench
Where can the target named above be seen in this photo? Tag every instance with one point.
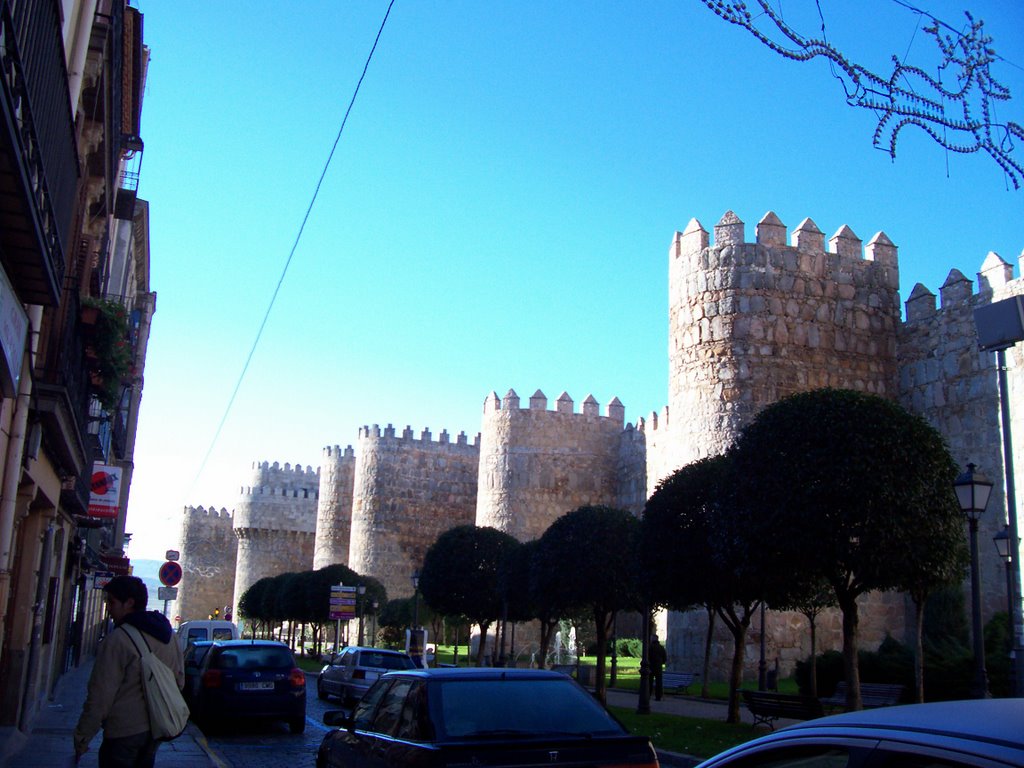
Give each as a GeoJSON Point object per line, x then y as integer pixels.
{"type": "Point", "coordinates": [677, 682]}
{"type": "Point", "coordinates": [871, 695]}
{"type": "Point", "coordinates": [768, 706]}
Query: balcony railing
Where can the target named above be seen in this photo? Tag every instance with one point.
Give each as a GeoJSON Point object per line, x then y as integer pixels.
{"type": "Point", "coordinates": [39, 135]}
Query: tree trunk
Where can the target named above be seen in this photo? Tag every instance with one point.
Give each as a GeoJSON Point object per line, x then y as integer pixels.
{"type": "Point", "coordinates": [484, 626]}
{"type": "Point", "coordinates": [918, 649]}
{"type": "Point", "coordinates": [547, 628]}
{"type": "Point", "coordinates": [602, 619]}
{"type": "Point", "coordinates": [848, 605]}
{"type": "Point", "coordinates": [812, 617]}
{"type": "Point", "coordinates": [706, 673]}
{"type": "Point", "coordinates": [738, 627]}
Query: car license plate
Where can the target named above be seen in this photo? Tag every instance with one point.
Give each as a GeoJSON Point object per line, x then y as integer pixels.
{"type": "Point", "coordinates": [262, 686]}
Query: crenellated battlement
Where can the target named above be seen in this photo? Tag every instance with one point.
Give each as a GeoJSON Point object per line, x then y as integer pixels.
{"type": "Point", "coordinates": [653, 423]}
{"type": "Point", "coordinates": [207, 513]}
{"type": "Point", "coordinates": [614, 411]}
{"type": "Point", "coordinates": [771, 233]}
{"type": "Point", "coordinates": [336, 453]}
{"type": "Point", "coordinates": [374, 432]}
{"type": "Point", "coordinates": [995, 279]}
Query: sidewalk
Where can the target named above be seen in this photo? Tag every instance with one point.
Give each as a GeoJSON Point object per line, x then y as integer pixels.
{"type": "Point", "coordinates": [48, 744]}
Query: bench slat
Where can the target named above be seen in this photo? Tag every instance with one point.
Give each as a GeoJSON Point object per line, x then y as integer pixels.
{"type": "Point", "coordinates": [768, 706]}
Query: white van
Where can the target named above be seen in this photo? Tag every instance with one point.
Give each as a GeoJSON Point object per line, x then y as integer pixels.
{"type": "Point", "coordinates": [205, 629]}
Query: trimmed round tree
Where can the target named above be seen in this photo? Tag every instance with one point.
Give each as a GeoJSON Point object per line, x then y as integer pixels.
{"type": "Point", "coordinates": [464, 573]}
{"type": "Point", "coordinates": [849, 487]}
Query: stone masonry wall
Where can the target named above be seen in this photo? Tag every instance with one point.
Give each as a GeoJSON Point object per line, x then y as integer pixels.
{"type": "Point", "coordinates": [536, 464]}
{"type": "Point", "coordinates": [945, 378]}
{"type": "Point", "coordinates": [208, 547]}
{"type": "Point", "coordinates": [407, 492]}
{"type": "Point", "coordinates": [275, 522]}
{"type": "Point", "coordinates": [334, 507]}
{"type": "Point", "coordinates": [750, 323]}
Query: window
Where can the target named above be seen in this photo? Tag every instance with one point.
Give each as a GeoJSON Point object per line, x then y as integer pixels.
{"type": "Point", "coordinates": [363, 714]}
{"type": "Point", "coordinates": [413, 719]}
{"type": "Point", "coordinates": [390, 710]}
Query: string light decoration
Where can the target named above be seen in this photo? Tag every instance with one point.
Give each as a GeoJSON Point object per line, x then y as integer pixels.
{"type": "Point", "coordinates": [965, 111]}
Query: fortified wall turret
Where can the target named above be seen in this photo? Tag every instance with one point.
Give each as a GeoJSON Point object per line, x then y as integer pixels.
{"type": "Point", "coordinates": [208, 547]}
{"type": "Point", "coordinates": [275, 522]}
{"type": "Point", "coordinates": [334, 508]}
{"type": "Point", "coordinates": [407, 492]}
{"type": "Point", "coordinates": [536, 464]}
{"type": "Point", "coordinates": [750, 323]}
{"type": "Point", "coordinates": [947, 380]}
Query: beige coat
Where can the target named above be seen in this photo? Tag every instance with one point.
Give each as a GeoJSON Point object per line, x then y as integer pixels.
{"type": "Point", "coordinates": [114, 700]}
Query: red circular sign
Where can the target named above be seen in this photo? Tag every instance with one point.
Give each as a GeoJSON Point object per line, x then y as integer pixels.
{"type": "Point", "coordinates": [170, 573]}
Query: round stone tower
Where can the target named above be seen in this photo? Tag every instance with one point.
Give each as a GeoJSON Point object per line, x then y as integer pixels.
{"type": "Point", "coordinates": [750, 323]}
{"type": "Point", "coordinates": [407, 492]}
{"type": "Point", "coordinates": [275, 522]}
{"type": "Point", "coordinates": [536, 464]}
{"type": "Point", "coordinates": [334, 508]}
{"type": "Point", "coordinates": [208, 547]}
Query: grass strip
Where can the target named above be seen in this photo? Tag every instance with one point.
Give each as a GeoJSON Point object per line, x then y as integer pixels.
{"type": "Point", "coordinates": [687, 735]}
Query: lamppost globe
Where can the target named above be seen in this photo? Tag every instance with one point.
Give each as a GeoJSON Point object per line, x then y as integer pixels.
{"type": "Point", "coordinates": [972, 492]}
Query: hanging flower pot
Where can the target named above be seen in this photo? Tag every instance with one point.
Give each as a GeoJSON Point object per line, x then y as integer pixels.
{"type": "Point", "coordinates": [89, 314]}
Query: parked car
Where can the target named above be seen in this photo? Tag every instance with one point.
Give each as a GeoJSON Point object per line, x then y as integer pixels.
{"type": "Point", "coordinates": [206, 629]}
{"type": "Point", "coordinates": [250, 679]}
{"type": "Point", "coordinates": [983, 732]}
{"type": "Point", "coordinates": [355, 669]}
{"type": "Point", "coordinates": [193, 663]}
{"type": "Point", "coordinates": [476, 717]}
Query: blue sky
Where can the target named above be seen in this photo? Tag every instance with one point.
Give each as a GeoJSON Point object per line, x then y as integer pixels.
{"type": "Point", "coordinates": [498, 211]}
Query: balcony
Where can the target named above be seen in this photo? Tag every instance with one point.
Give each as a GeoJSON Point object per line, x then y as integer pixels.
{"type": "Point", "coordinates": [39, 168]}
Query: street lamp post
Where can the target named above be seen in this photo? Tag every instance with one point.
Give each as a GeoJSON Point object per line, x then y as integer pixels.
{"type": "Point", "coordinates": [415, 599]}
{"type": "Point", "coordinates": [972, 492]}
{"type": "Point", "coordinates": [374, 604]}
{"type": "Point", "coordinates": [1003, 547]}
{"type": "Point", "coordinates": [360, 596]}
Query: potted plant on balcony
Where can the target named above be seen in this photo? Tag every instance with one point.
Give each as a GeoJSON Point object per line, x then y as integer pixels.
{"type": "Point", "coordinates": [108, 352]}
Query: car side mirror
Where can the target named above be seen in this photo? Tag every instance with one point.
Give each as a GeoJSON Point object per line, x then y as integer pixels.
{"type": "Point", "coordinates": [338, 718]}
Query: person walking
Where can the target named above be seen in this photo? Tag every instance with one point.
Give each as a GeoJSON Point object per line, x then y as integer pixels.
{"type": "Point", "coordinates": [114, 699]}
{"type": "Point", "coordinates": [658, 658]}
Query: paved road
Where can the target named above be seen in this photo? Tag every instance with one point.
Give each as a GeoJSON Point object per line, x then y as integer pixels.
{"type": "Point", "coordinates": [271, 745]}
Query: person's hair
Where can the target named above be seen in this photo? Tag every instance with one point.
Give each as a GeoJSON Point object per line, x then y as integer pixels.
{"type": "Point", "coordinates": [124, 587]}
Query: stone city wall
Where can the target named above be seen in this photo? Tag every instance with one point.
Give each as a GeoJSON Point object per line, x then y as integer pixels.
{"type": "Point", "coordinates": [750, 323]}
{"type": "Point", "coordinates": [945, 378]}
{"type": "Point", "coordinates": [536, 464]}
{"type": "Point", "coordinates": [334, 507]}
{"type": "Point", "coordinates": [275, 522]}
{"type": "Point", "coordinates": [208, 547]}
{"type": "Point", "coordinates": [407, 492]}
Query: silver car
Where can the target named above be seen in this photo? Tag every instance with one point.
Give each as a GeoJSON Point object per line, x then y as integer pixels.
{"type": "Point", "coordinates": [984, 732]}
{"type": "Point", "coordinates": [355, 669]}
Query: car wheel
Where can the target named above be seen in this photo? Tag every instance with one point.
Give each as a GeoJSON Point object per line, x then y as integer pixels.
{"type": "Point", "coordinates": [297, 724]}
{"type": "Point", "coordinates": [320, 692]}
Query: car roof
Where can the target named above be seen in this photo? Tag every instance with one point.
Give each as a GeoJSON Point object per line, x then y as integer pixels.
{"type": "Point", "coordinates": [994, 720]}
{"type": "Point", "coordinates": [239, 643]}
{"type": "Point", "coordinates": [386, 651]}
{"type": "Point", "coordinates": [480, 673]}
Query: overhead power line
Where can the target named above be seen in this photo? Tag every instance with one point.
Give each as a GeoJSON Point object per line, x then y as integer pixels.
{"type": "Point", "coordinates": [291, 253]}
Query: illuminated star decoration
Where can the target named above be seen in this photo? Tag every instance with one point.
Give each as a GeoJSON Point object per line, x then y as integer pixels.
{"type": "Point", "coordinates": [968, 55]}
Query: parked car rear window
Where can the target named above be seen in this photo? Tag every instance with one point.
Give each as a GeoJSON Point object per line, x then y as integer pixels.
{"type": "Point", "coordinates": [221, 633]}
{"type": "Point", "coordinates": [254, 657]}
{"type": "Point", "coordinates": [477, 707]}
{"type": "Point", "coordinates": [385, 660]}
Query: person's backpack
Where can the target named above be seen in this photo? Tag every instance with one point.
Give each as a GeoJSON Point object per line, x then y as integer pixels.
{"type": "Point", "coordinates": [168, 712]}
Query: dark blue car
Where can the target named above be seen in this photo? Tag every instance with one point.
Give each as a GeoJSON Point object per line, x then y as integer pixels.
{"type": "Point", "coordinates": [250, 679]}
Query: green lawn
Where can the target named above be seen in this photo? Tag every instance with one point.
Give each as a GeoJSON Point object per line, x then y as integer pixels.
{"type": "Point", "coordinates": [688, 735]}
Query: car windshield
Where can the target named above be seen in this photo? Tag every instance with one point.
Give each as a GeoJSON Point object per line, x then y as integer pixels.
{"type": "Point", "coordinates": [499, 708]}
{"type": "Point", "coordinates": [384, 660]}
{"type": "Point", "coordinates": [253, 657]}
